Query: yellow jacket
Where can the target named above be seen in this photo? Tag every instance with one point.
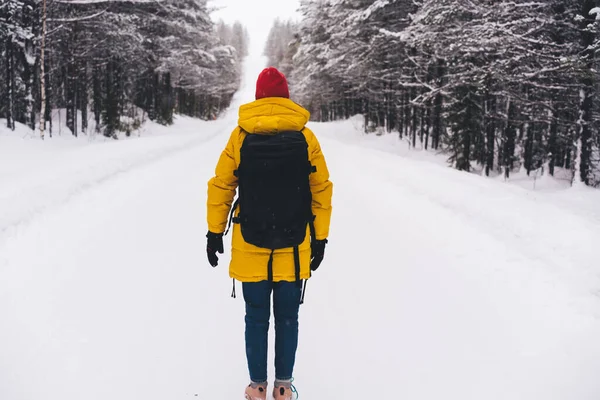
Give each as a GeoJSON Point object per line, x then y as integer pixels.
{"type": "Point", "coordinates": [267, 116]}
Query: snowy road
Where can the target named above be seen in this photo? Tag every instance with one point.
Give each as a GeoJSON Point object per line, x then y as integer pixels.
{"type": "Point", "coordinates": [433, 287]}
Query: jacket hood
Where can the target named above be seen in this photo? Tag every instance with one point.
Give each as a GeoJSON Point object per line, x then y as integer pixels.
{"type": "Point", "coordinates": [272, 115]}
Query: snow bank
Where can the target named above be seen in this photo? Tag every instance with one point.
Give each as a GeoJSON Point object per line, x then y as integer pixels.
{"type": "Point", "coordinates": [36, 175]}
{"type": "Point", "coordinates": [352, 131]}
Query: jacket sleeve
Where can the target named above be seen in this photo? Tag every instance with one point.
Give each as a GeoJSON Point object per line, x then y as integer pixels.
{"type": "Point", "coordinates": [320, 186]}
{"type": "Point", "coordinates": [222, 188]}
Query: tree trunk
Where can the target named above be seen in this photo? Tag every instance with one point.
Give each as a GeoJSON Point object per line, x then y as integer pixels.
{"type": "Point", "coordinates": [552, 143]}
{"type": "Point", "coordinates": [28, 61]}
{"type": "Point", "coordinates": [576, 163]}
{"type": "Point", "coordinates": [588, 93]}
{"type": "Point", "coordinates": [438, 106]}
{"type": "Point", "coordinates": [428, 125]}
{"type": "Point", "coordinates": [422, 126]}
{"type": "Point", "coordinates": [10, 86]}
{"type": "Point", "coordinates": [390, 110]}
{"type": "Point", "coordinates": [111, 108]}
{"type": "Point", "coordinates": [528, 155]}
{"type": "Point", "coordinates": [490, 136]}
{"type": "Point", "coordinates": [510, 135]}
{"type": "Point", "coordinates": [407, 114]}
{"type": "Point", "coordinates": [437, 121]}
{"type": "Point", "coordinates": [467, 134]}
{"type": "Point", "coordinates": [43, 72]}
{"type": "Point", "coordinates": [152, 96]}
{"type": "Point", "coordinates": [97, 96]}
{"type": "Point", "coordinates": [75, 102]}
{"type": "Point", "coordinates": [70, 96]}
{"type": "Point", "coordinates": [49, 94]}
{"type": "Point", "coordinates": [167, 100]}
{"type": "Point", "coordinates": [400, 114]}
{"type": "Point", "coordinates": [366, 106]}
{"type": "Point", "coordinates": [83, 98]}
{"type": "Point", "coordinates": [413, 128]}
{"type": "Point", "coordinates": [28, 79]}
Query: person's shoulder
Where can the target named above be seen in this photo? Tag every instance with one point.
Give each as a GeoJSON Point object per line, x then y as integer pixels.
{"type": "Point", "coordinates": [311, 139]}
{"type": "Point", "coordinates": [308, 133]}
{"type": "Point", "coordinates": [238, 133]}
{"type": "Point", "coordinates": [236, 139]}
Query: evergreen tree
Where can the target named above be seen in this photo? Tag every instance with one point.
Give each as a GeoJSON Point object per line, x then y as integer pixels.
{"type": "Point", "coordinates": [122, 60]}
{"type": "Point", "coordinates": [524, 72]}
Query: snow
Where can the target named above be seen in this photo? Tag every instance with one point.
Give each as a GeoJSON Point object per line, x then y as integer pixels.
{"type": "Point", "coordinates": [396, 35]}
{"type": "Point", "coordinates": [436, 283]}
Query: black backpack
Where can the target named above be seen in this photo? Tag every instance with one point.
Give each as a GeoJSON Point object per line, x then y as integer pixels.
{"type": "Point", "coordinates": [274, 196]}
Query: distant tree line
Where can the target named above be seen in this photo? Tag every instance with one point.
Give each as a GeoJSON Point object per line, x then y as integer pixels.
{"type": "Point", "coordinates": [121, 61]}
{"type": "Point", "coordinates": [281, 45]}
{"type": "Point", "coordinates": [498, 85]}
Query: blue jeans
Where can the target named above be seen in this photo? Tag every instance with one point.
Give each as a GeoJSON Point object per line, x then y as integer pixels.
{"type": "Point", "coordinates": [286, 304]}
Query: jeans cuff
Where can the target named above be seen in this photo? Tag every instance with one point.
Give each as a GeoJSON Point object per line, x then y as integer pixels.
{"type": "Point", "coordinates": [286, 383]}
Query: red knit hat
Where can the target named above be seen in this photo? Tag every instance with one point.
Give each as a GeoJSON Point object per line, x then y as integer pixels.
{"type": "Point", "coordinates": [271, 83]}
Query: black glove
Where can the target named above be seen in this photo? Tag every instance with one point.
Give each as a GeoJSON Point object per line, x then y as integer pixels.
{"type": "Point", "coordinates": [214, 244]}
{"type": "Point", "coordinates": [318, 253]}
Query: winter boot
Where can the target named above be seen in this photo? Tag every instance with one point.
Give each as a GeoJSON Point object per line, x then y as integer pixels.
{"type": "Point", "coordinates": [283, 390]}
{"type": "Point", "coordinates": [256, 391]}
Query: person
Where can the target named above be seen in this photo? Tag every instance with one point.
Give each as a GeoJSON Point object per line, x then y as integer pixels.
{"type": "Point", "coordinates": [280, 222]}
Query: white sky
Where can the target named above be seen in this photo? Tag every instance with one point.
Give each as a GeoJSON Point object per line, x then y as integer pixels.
{"type": "Point", "coordinates": [256, 15]}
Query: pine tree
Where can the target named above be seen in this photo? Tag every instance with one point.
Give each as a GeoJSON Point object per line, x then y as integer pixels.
{"type": "Point", "coordinates": [98, 54]}
{"type": "Point", "coordinates": [524, 72]}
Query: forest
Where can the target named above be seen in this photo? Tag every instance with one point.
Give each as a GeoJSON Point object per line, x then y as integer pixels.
{"type": "Point", "coordinates": [116, 63]}
{"type": "Point", "coordinates": [498, 86]}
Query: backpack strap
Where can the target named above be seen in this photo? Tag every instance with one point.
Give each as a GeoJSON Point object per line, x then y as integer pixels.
{"type": "Point", "coordinates": [313, 238]}
{"type": "Point", "coordinates": [303, 292]}
{"type": "Point", "coordinates": [231, 219]}
{"type": "Point", "coordinates": [270, 266]}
